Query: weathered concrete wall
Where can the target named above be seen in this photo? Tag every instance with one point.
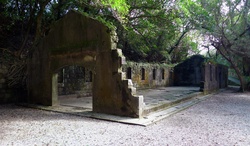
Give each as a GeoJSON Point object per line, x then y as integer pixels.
{"type": "Point", "coordinates": [73, 40]}
{"type": "Point", "coordinates": [78, 40]}
{"type": "Point", "coordinates": [75, 79]}
{"type": "Point", "coordinates": [112, 93]}
{"type": "Point", "coordinates": [189, 72]}
{"type": "Point", "coordinates": [215, 77]}
{"type": "Point", "coordinates": [146, 75]}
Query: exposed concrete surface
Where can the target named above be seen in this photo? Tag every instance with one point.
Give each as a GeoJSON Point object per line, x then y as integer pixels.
{"type": "Point", "coordinates": [222, 119]}
{"type": "Point", "coordinates": [163, 97]}
{"type": "Point", "coordinates": [74, 101]}
{"type": "Point", "coordinates": [165, 94]}
{"type": "Point", "coordinates": [160, 103]}
{"type": "Point", "coordinates": [152, 97]}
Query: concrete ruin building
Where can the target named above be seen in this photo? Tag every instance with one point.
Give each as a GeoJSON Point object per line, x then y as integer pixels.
{"type": "Point", "coordinates": [80, 54]}
{"type": "Point", "coordinates": [79, 40]}
{"type": "Point", "coordinates": [197, 71]}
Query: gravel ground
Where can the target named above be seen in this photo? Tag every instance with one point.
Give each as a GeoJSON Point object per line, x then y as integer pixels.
{"type": "Point", "coordinates": [222, 119]}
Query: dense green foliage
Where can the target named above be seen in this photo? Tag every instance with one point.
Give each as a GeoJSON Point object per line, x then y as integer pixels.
{"type": "Point", "coordinates": [154, 30]}
{"type": "Point", "coordinates": [148, 30]}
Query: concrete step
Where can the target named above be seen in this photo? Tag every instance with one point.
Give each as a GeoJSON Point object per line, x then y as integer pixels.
{"type": "Point", "coordinates": [165, 105]}
{"type": "Point", "coordinates": [159, 115]}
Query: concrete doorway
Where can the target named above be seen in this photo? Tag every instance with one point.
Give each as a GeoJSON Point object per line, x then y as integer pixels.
{"type": "Point", "coordinates": [75, 87]}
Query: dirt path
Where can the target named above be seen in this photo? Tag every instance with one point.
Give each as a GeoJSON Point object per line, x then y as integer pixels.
{"type": "Point", "coordinates": [223, 119]}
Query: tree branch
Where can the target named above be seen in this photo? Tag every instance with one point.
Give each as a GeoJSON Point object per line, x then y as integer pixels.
{"type": "Point", "coordinates": [177, 42]}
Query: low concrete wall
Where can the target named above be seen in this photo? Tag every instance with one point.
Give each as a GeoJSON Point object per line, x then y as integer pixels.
{"type": "Point", "coordinates": [215, 77]}
{"type": "Point", "coordinates": [148, 75]}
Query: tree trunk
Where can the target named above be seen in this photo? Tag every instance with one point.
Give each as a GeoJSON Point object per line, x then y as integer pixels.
{"type": "Point", "coordinates": [240, 76]}
{"type": "Point", "coordinates": [39, 20]}
{"type": "Point", "coordinates": [178, 42]}
{"type": "Point", "coordinates": [237, 70]}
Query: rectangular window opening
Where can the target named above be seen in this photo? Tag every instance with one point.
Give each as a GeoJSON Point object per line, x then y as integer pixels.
{"type": "Point", "coordinates": [154, 74]}
{"type": "Point", "coordinates": [142, 74]}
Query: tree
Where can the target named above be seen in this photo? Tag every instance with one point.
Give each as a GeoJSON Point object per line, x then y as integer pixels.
{"type": "Point", "coordinates": [154, 30]}
{"type": "Point", "coordinates": [25, 22]}
{"type": "Point", "coordinates": [227, 28]}
{"type": "Point", "coordinates": [21, 26]}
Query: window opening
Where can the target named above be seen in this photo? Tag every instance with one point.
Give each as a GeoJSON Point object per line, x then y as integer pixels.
{"type": "Point", "coordinates": [216, 74]}
{"type": "Point", "coordinates": [89, 76]}
{"type": "Point", "coordinates": [129, 72]}
{"type": "Point", "coordinates": [163, 74]}
{"type": "Point", "coordinates": [211, 76]}
{"type": "Point", "coordinates": [142, 74]}
{"type": "Point", "coordinates": [154, 74]}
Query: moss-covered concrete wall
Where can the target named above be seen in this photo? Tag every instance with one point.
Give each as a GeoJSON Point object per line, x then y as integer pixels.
{"type": "Point", "coordinates": [148, 75]}
{"type": "Point", "coordinates": [78, 40]}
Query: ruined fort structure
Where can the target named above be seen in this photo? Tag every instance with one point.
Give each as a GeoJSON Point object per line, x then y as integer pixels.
{"type": "Point", "coordinates": [79, 40]}
{"type": "Point", "coordinates": [88, 48]}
